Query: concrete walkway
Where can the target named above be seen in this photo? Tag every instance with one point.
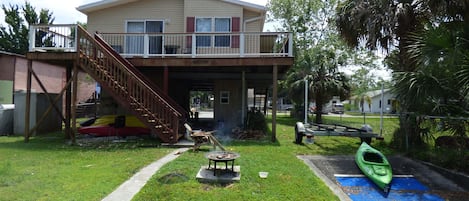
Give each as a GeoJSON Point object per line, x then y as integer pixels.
{"type": "Point", "coordinates": [131, 187]}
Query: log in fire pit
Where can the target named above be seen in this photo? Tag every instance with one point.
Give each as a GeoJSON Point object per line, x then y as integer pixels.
{"type": "Point", "coordinates": [221, 156]}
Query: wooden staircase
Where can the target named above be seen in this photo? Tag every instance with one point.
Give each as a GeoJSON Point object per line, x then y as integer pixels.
{"type": "Point", "coordinates": [129, 87]}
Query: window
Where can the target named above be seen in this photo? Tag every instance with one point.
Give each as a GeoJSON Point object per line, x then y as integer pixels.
{"type": "Point", "coordinates": [206, 25]}
{"type": "Point", "coordinates": [203, 25]}
{"type": "Point", "coordinates": [222, 25]}
{"type": "Point", "coordinates": [224, 97]}
{"type": "Point", "coordinates": [135, 43]}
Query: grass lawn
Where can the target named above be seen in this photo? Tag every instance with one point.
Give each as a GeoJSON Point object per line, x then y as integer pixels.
{"type": "Point", "coordinates": [47, 168]}
{"type": "Point", "coordinates": [289, 178]}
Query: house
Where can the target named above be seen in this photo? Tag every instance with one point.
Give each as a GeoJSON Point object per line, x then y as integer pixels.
{"type": "Point", "coordinates": [374, 103]}
{"type": "Point", "coordinates": [148, 55]}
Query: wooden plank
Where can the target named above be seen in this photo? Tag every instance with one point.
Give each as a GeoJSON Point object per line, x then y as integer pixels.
{"type": "Point", "coordinates": [206, 62]}
{"type": "Point", "coordinates": [28, 101]}
{"type": "Point", "coordinates": [274, 103]}
{"type": "Point", "coordinates": [74, 102]}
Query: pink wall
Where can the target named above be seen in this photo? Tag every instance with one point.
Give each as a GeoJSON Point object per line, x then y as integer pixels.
{"type": "Point", "coordinates": [14, 67]}
{"type": "Point", "coordinates": [52, 77]}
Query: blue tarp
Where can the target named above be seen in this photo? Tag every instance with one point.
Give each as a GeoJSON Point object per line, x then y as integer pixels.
{"type": "Point", "coordinates": [402, 188]}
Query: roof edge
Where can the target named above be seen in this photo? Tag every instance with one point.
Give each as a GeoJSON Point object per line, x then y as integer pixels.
{"type": "Point", "coordinates": [248, 5]}
{"type": "Point", "coordinates": [87, 8]}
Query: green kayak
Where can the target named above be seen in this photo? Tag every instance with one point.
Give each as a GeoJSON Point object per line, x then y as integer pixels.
{"type": "Point", "coordinates": [374, 165]}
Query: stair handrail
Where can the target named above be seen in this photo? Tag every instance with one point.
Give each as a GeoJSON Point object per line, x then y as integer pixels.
{"type": "Point", "coordinates": [139, 75]}
{"type": "Point", "coordinates": [119, 64]}
{"type": "Point", "coordinates": [132, 73]}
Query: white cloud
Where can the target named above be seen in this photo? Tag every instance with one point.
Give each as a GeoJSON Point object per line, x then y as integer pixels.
{"type": "Point", "coordinates": [65, 12]}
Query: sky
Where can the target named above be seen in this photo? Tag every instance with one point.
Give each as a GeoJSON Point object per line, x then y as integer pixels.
{"type": "Point", "coordinates": [65, 11]}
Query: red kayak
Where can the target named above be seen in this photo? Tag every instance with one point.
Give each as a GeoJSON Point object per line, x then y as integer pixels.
{"type": "Point", "coordinates": [112, 125]}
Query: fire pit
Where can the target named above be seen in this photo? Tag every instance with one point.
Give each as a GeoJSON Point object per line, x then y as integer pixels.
{"type": "Point", "coordinates": [221, 156]}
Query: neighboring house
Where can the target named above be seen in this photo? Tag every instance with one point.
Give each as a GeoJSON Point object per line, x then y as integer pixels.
{"type": "Point", "coordinates": [389, 104]}
{"type": "Point", "coordinates": [13, 78]}
{"type": "Point", "coordinates": [166, 49]}
{"type": "Point", "coordinates": [13, 86]}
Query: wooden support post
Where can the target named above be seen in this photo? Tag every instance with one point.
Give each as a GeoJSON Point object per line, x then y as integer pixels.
{"type": "Point", "coordinates": [274, 102]}
{"type": "Point", "coordinates": [68, 100]}
{"type": "Point", "coordinates": [243, 98]}
{"type": "Point", "coordinates": [48, 96]}
{"type": "Point", "coordinates": [52, 103]}
{"type": "Point", "coordinates": [74, 102]}
{"type": "Point", "coordinates": [28, 102]}
{"type": "Point", "coordinates": [265, 101]}
{"type": "Point", "coordinates": [49, 109]}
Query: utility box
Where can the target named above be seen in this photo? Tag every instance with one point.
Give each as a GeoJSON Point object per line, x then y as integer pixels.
{"type": "Point", "coordinates": [6, 119]}
{"type": "Point", "coordinates": [38, 106]}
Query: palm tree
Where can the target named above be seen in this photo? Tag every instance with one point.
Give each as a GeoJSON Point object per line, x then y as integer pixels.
{"type": "Point", "coordinates": [319, 66]}
{"type": "Point", "coordinates": [392, 25]}
{"type": "Point", "coordinates": [440, 53]}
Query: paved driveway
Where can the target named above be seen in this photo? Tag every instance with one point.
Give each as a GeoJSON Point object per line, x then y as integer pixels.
{"type": "Point", "coordinates": [327, 167]}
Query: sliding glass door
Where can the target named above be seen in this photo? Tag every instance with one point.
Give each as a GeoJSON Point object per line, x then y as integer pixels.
{"type": "Point", "coordinates": [136, 40]}
{"type": "Point", "coordinates": [155, 42]}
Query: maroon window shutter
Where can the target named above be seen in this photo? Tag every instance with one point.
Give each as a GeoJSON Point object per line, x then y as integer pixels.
{"type": "Point", "coordinates": [190, 24]}
{"type": "Point", "coordinates": [235, 28]}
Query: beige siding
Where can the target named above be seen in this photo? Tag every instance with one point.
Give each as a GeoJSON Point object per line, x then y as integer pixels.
{"type": "Point", "coordinates": [212, 8]}
{"type": "Point", "coordinates": [114, 19]}
{"type": "Point", "coordinates": [252, 40]}
{"type": "Point", "coordinates": [255, 26]}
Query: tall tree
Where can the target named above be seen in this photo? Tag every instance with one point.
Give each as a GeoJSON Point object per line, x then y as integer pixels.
{"type": "Point", "coordinates": [319, 52]}
{"type": "Point", "coordinates": [440, 52]}
{"type": "Point", "coordinates": [379, 24]}
{"type": "Point", "coordinates": [320, 67]}
{"type": "Point", "coordinates": [14, 37]}
{"type": "Point", "coordinates": [392, 25]}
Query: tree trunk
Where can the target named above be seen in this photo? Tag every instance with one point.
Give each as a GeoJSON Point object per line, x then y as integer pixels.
{"type": "Point", "coordinates": [319, 108]}
{"type": "Point", "coordinates": [318, 119]}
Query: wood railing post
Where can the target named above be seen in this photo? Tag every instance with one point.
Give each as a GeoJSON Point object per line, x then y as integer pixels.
{"type": "Point", "coordinates": [241, 44]}
{"type": "Point", "coordinates": [32, 37]}
{"type": "Point", "coordinates": [146, 46]}
{"type": "Point", "coordinates": [194, 43]}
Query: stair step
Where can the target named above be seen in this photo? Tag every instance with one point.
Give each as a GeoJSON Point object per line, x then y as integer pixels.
{"type": "Point", "coordinates": [114, 74]}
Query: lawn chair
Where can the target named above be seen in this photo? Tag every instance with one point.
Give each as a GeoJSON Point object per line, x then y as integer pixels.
{"type": "Point", "coordinates": [200, 137]}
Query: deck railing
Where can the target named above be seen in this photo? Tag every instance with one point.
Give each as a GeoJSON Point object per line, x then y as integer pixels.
{"type": "Point", "coordinates": [53, 37]}
{"type": "Point", "coordinates": [247, 44]}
